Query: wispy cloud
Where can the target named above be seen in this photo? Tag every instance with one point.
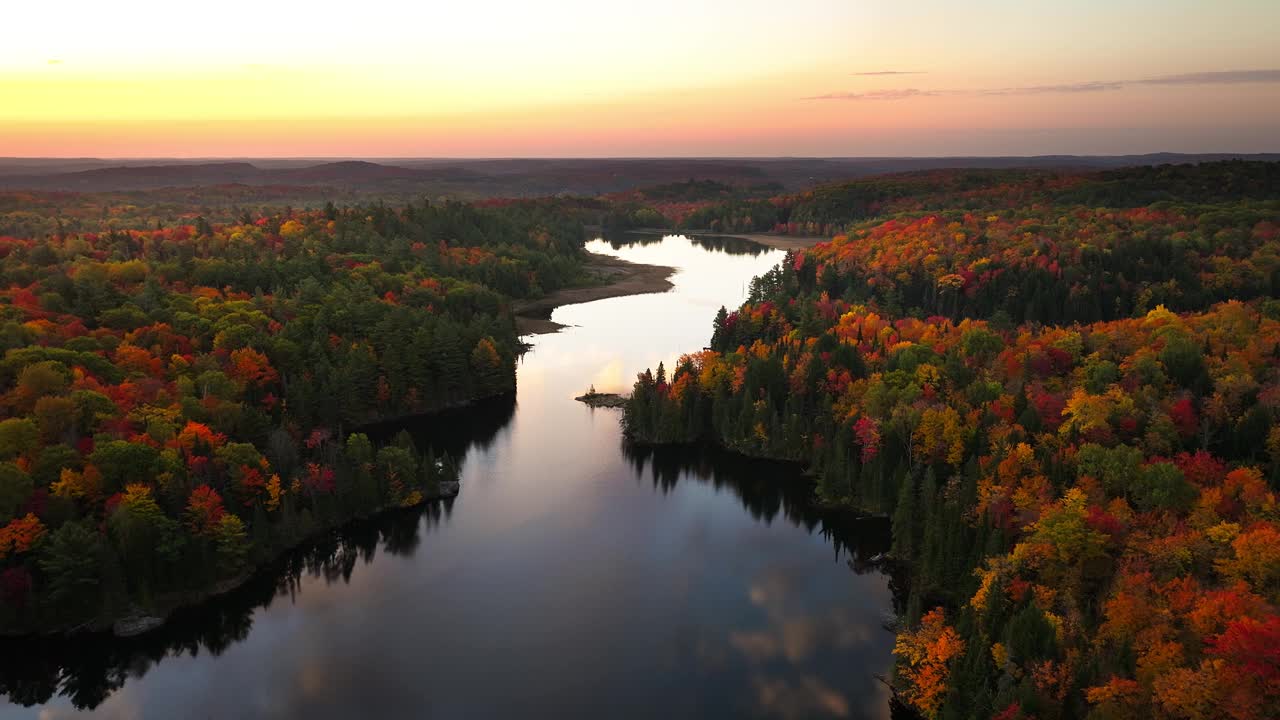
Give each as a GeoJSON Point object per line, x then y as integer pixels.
{"type": "Point", "coordinates": [1082, 87]}
{"type": "Point", "coordinates": [890, 72]}
{"type": "Point", "coordinates": [895, 94]}
{"type": "Point", "coordinates": [1229, 77]}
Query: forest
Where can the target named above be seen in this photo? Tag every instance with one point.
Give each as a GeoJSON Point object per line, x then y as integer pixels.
{"type": "Point", "coordinates": [1061, 387]}
{"type": "Point", "coordinates": [185, 396]}
{"type": "Point", "coordinates": [833, 208]}
{"type": "Point", "coordinates": [1064, 390]}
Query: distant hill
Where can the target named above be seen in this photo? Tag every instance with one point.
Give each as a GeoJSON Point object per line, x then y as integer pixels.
{"type": "Point", "coordinates": [515, 177]}
{"type": "Point", "coordinates": [149, 177]}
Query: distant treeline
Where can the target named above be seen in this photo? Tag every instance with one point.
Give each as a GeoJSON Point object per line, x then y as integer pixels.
{"type": "Point", "coordinates": [835, 208]}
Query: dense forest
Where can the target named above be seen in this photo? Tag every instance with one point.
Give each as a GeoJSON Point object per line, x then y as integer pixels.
{"type": "Point", "coordinates": [185, 396]}
{"type": "Point", "coordinates": [837, 207]}
{"type": "Point", "coordinates": [1064, 390]}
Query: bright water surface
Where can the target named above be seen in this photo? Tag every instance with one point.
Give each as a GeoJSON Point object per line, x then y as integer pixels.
{"type": "Point", "coordinates": [572, 577]}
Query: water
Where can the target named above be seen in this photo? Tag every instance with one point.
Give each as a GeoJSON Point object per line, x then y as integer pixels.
{"type": "Point", "coordinates": [572, 576]}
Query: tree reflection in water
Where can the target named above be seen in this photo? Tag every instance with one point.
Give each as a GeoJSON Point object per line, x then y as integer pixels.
{"type": "Point", "coordinates": [717, 243]}
{"type": "Point", "coordinates": [767, 489]}
{"type": "Point", "coordinates": [87, 669]}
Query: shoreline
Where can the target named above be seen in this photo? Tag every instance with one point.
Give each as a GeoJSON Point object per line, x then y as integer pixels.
{"type": "Point", "coordinates": [137, 620]}
{"type": "Point", "coordinates": [533, 317]}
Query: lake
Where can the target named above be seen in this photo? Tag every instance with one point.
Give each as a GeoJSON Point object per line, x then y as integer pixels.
{"type": "Point", "coordinates": [573, 576]}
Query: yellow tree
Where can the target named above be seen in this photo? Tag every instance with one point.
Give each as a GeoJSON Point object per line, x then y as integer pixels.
{"type": "Point", "coordinates": [940, 436]}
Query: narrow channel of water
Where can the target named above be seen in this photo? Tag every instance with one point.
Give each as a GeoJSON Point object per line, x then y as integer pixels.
{"type": "Point", "coordinates": [573, 576]}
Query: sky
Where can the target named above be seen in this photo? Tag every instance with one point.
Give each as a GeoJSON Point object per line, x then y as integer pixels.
{"type": "Point", "coordinates": [582, 78]}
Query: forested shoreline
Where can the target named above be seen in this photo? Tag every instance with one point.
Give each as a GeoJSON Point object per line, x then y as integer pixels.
{"type": "Point", "coordinates": [184, 397]}
{"type": "Point", "coordinates": [1063, 389]}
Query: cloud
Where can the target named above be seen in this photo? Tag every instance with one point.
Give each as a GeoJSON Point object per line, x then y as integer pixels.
{"type": "Point", "coordinates": [1082, 87]}
{"type": "Point", "coordinates": [1229, 77]}
{"type": "Point", "coordinates": [890, 72]}
{"type": "Point", "coordinates": [809, 697]}
{"type": "Point", "coordinates": [896, 94]}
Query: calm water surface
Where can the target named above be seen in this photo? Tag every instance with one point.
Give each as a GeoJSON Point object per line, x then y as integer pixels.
{"type": "Point", "coordinates": [572, 577]}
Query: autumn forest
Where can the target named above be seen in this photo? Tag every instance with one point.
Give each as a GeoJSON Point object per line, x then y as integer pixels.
{"type": "Point", "coordinates": [1063, 389]}
{"type": "Point", "coordinates": [1057, 387]}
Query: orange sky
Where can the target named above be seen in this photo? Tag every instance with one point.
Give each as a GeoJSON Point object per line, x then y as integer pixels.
{"type": "Point", "coordinates": [140, 78]}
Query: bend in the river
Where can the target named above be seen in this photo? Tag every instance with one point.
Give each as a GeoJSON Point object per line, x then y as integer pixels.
{"type": "Point", "coordinates": [573, 575]}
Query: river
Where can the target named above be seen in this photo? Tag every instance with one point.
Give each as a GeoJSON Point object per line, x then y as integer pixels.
{"type": "Point", "coordinates": [572, 577]}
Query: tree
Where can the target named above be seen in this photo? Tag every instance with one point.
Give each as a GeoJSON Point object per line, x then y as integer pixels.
{"type": "Point", "coordinates": [20, 535]}
{"type": "Point", "coordinates": [147, 539]}
{"type": "Point", "coordinates": [720, 330]}
{"type": "Point", "coordinates": [1030, 636]}
{"type": "Point", "coordinates": [1065, 531]}
{"type": "Point", "coordinates": [71, 560]}
{"type": "Point", "coordinates": [486, 366]}
{"type": "Point", "coordinates": [1184, 361]}
{"type": "Point", "coordinates": [1161, 486]}
{"type": "Point", "coordinates": [204, 511]}
{"type": "Point", "coordinates": [1251, 649]}
{"type": "Point", "coordinates": [15, 488]}
{"type": "Point", "coordinates": [400, 469]}
{"type": "Point", "coordinates": [119, 462]}
{"type": "Point", "coordinates": [39, 380]}
{"type": "Point", "coordinates": [940, 437]}
{"type": "Point", "coordinates": [232, 544]}
{"type": "Point", "coordinates": [252, 367]}
{"type": "Point", "coordinates": [56, 417]}
{"type": "Point", "coordinates": [51, 461]}
{"type": "Point", "coordinates": [1256, 559]}
{"type": "Point", "coordinates": [18, 436]}
{"type": "Point", "coordinates": [924, 657]}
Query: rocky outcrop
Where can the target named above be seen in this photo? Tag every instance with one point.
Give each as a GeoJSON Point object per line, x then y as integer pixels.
{"type": "Point", "coordinates": [596, 399]}
{"type": "Point", "coordinates": [136, 623]}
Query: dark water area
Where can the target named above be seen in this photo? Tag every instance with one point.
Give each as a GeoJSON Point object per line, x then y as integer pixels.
{"type": "Point", "coordinates": [573, 576]}
{"type": "Point", "coordinates": [717, 243]}
{"type": "Point", "coordinates": [454, 431]}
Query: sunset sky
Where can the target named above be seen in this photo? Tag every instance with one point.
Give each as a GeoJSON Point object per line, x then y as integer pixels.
{"type": "Point", "coordinates": [383, 78]}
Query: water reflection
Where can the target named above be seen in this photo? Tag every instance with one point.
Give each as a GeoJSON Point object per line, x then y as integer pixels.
{"type": "Point", "coordinates": [767, 490]}
{"type": "Point", "coordinates": [86, 669]}
{"type": "Point", "coordinates": [453, 431]}
{"type": "Point", "coordinates": [572, 576]}
{"type": "Point", "coordinates": [717, 243]}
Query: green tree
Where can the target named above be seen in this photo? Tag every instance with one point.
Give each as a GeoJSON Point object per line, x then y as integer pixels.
{"type": "Point", "coordinates": [71, 559]}
{"type": "Point", "coordinates": [15, 488]}
{"type": "Point", "coordinates": [18, 436]}
{"type": "Point", "coordinates": [232, 545]}
{"type": "Point", "coordinates": [121, 461]}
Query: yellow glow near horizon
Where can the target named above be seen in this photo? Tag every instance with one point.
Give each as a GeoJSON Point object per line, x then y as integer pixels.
{"type": "Point", "coordinates": [142, 77]}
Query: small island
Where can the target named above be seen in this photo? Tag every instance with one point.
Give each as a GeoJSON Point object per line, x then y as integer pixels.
{"type": "Point", "coordinates": [599, 399]}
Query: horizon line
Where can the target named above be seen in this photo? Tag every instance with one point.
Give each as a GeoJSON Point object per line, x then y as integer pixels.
{"type": "Point", "coordinates": [5, 158]}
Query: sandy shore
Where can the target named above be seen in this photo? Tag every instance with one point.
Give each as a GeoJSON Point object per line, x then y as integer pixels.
{"type": "Point", "coordinates": [533, 317]}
